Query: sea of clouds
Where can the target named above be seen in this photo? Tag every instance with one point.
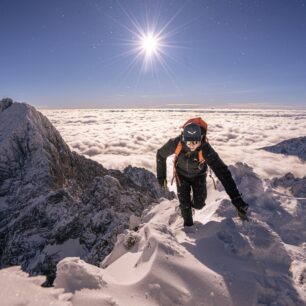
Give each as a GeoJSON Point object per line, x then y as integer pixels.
{"type": "Point", "coordinates": [118, 138]}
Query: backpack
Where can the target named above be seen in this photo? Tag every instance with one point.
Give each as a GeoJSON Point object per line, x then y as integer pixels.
{"type": "Point", "coordinates": [199, 121]}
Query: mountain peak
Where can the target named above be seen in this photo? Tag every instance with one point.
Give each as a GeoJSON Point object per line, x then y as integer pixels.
{"type": "Point", "coordinates": [50, 196]}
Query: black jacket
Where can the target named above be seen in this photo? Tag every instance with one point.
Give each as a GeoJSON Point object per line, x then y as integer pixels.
{"type": "Point", "coordinates": [188, 164]}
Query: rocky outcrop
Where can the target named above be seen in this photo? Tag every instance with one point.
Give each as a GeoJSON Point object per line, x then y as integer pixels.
{"type": "Point", "coordinates": [56, 203]}
{"type": "Point", "coordinates": [296, 186]}
{"type": "Point", "coordinates": [294, 147]}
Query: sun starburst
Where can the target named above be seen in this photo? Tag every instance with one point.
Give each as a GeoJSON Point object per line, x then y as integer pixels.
{"type": "Point", "coordinates": [150, 44]}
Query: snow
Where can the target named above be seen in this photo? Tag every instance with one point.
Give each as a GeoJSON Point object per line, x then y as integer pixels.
{"type": "Point", "coordinates": [70, 247]}
{"type": "Point", "coordinates": [17, 288]}
{"type": "Point", "coordinates": [220, 260]}
{"type": "Point", "coordinates": [211, 264]}
{"type": "Point", "coordinates": [79, 275]}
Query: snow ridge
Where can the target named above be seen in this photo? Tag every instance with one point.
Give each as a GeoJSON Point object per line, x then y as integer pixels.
{"type": "Point", "coordinates": [218, 261]}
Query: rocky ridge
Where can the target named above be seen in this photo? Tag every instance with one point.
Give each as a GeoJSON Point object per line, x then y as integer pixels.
{"type": "Point", "coordinates": [293, 147]}
{"type": "Point", "coordinates": [56, 203]}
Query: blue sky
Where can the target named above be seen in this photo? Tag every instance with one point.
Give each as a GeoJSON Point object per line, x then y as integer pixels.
{"type": "Point", "coordinates": [73, 53]}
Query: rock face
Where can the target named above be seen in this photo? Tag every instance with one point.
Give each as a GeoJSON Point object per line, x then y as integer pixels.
{"type": "Point", "coordinates": [55, 203]}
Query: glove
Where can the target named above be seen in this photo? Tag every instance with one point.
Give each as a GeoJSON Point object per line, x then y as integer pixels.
{"type": "Point", "coordinates": [241, 207]}
{"type": "Point", "coordinates": [162, 183]}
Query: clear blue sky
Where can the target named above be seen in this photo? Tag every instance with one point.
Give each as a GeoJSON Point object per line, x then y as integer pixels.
{"type": "Point", "coordinates": [80, 53]}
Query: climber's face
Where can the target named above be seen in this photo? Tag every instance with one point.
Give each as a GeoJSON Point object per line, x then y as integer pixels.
{"type": "Point", "coordinates": [193, 145]}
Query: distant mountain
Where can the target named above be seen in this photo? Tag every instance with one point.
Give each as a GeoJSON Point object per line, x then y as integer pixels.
{"type": "Point", "coordinates": [55, 203]}
{"type": "Point", "coordinates": [294, 146]}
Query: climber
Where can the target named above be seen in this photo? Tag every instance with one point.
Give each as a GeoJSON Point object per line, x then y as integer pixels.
{"type": "Point", "coordinates": [193, 155]}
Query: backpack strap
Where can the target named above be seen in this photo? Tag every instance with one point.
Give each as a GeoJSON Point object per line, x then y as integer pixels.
{"type": "Point", "coordinates": [178, 149]}
{"type": "Point", "coordinates": [200, 157]}
{"type": "Point", "coordinates": [176, 154]}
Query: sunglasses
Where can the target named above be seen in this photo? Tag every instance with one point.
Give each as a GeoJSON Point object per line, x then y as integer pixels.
{"type": "Point", "coordinates": [192, 143]}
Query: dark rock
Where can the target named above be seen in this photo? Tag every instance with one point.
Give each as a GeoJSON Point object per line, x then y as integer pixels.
{"type": "Point", "coordinates": [5, 103]}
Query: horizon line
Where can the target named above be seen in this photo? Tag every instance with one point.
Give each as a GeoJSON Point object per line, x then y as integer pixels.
{"type": "Point", "coordinates": [182, 108]}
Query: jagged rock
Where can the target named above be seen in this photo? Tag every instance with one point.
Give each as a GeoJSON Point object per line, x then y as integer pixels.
{"type": "Point", "coordinates": [55, 203]}
{"type": "Point", "coordinates": [5, 103]}
{"type": "Point", "coordinates": [147, 181]}
{"type": "Point", "coordinates": [296, 186]}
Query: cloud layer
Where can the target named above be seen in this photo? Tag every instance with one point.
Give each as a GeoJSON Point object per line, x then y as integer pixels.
{"type": "Point", "coordinates": [118, 138]}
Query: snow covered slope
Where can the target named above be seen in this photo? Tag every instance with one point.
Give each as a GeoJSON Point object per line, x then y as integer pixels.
{"type": "Point", "coordinates": [17, 288]}
{"type": "Point", "coordinates": [55, 203]}
{"type": "Point", "coordinates": [219, 261]}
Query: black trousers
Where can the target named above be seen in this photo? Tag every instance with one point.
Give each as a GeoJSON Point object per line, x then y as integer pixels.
{"type": "Point", "coordinates": [199, 190]}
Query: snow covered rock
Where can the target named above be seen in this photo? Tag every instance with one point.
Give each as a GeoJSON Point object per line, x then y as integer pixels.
{"type": "Point", "coordinates": [55, 203]}
{"type": "Point", "coordinates": [294, 146]}
{"type": "Point", "coordinates": [79, 276]}
{"type": "Point", "coordinates": [295, 186]}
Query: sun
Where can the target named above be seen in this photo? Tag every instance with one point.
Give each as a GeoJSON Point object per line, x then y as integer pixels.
{"type": "Point", "coordinates": [149, 44]}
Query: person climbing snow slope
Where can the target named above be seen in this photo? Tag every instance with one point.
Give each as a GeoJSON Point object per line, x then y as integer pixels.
{"type": "Point", "coordinates": [193, 156]}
